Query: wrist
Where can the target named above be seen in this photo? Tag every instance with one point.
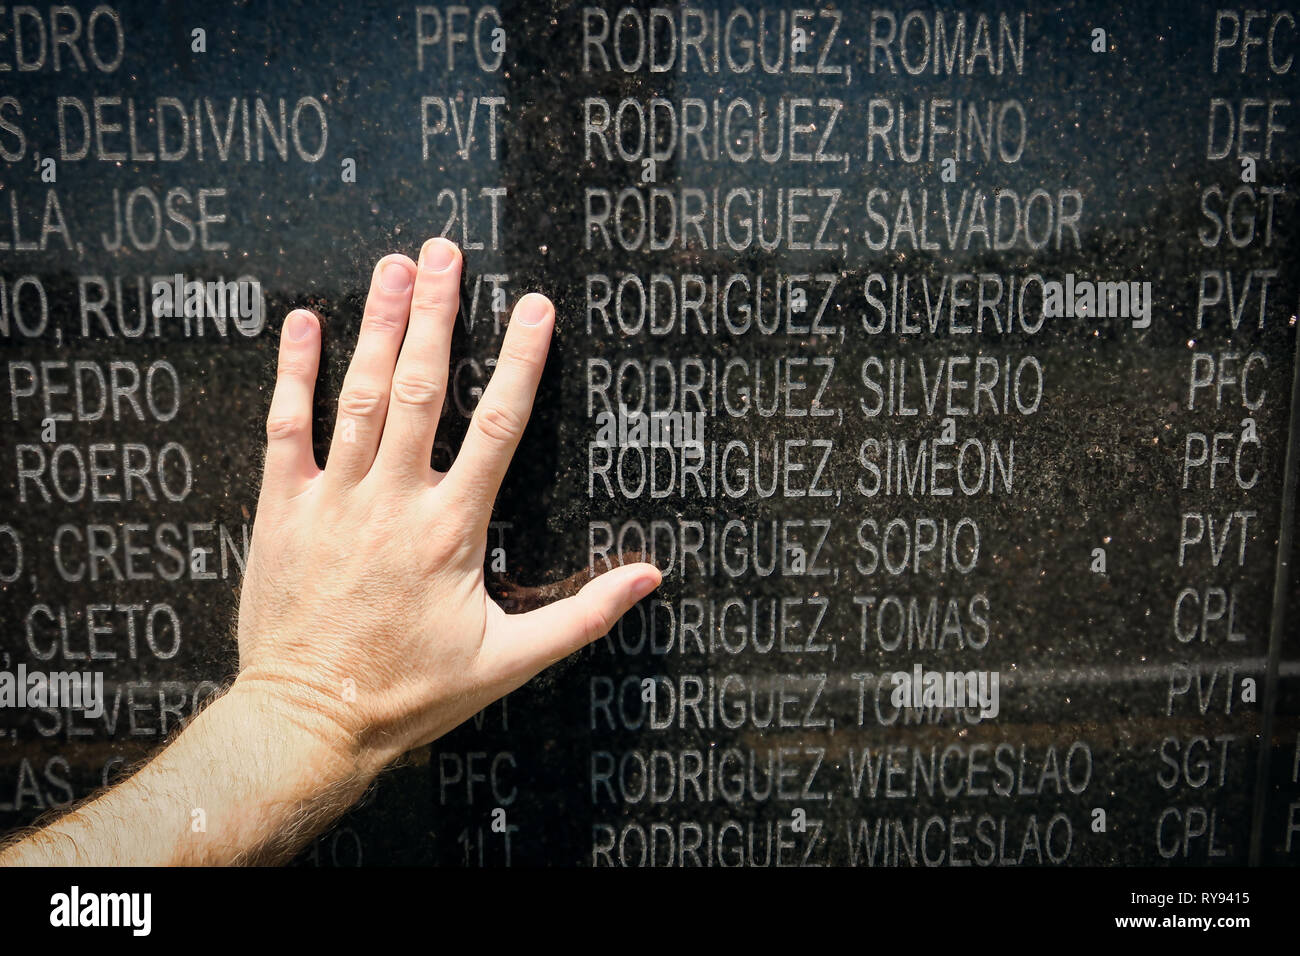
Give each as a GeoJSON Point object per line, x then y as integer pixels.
{"type": "Point", "coordinates": [279, 773]}
{"type": "Point", "coordinates": [310, 728]}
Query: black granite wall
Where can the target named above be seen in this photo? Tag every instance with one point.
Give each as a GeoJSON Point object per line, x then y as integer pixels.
{"type": "Point", "coordinates": [831, 231]}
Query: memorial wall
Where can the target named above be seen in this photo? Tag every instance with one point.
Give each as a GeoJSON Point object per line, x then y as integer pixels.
{"type": "Point", "coordinates": [943, 358]}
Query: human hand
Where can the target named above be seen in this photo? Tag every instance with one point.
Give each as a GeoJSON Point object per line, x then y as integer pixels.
{"type": "Point", "coordinates": [363, 608]}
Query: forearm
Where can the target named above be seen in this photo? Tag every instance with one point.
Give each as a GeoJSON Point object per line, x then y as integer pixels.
{"type": "Point", "coordinates": [250, 780]}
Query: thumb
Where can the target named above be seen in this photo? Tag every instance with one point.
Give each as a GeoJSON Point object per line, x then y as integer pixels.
{"type": "Point", "coordinates": [532, 642]}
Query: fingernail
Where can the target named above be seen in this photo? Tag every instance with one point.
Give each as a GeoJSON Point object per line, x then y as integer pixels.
{"type": "Point", "coordinates": [396, 277]}
{"type": "Point", "coordinates": [437, 254]}
{"type": "Point", "coordinates": [299, 325]}
{"type": "Point", "coordinates": [533, 309]}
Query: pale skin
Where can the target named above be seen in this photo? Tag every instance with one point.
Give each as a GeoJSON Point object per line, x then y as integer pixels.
{"type": "Point", "coordinates": [365, 630]}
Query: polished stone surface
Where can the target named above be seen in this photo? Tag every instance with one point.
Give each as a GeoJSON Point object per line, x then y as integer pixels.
{"type": "Point", "coordinates": [795, 586]}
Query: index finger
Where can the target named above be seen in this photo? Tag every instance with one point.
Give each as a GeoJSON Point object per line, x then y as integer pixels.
{"type": "Point", "coordinates": [503, 411]}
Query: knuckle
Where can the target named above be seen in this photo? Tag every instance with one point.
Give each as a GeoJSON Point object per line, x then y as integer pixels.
{"type": "Point", "coordinates": [279, 427]}
{"type": "Point", "coordinates": [419, 391]}
{"type": "Point", "coordinates": [291, 366]}
{"type": "Point", "coordinates": [517, 357]}
{"type": "Point", "coordinates": [434, 297]}
{"type": "Point", "coordinates": [498, 422]}
{"type": "Point", "coordinates": [379, 323]}
{"type": "Point", "coordinates": [361, 401]}
{"type": "Point", "coordinates": [596, 622]}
